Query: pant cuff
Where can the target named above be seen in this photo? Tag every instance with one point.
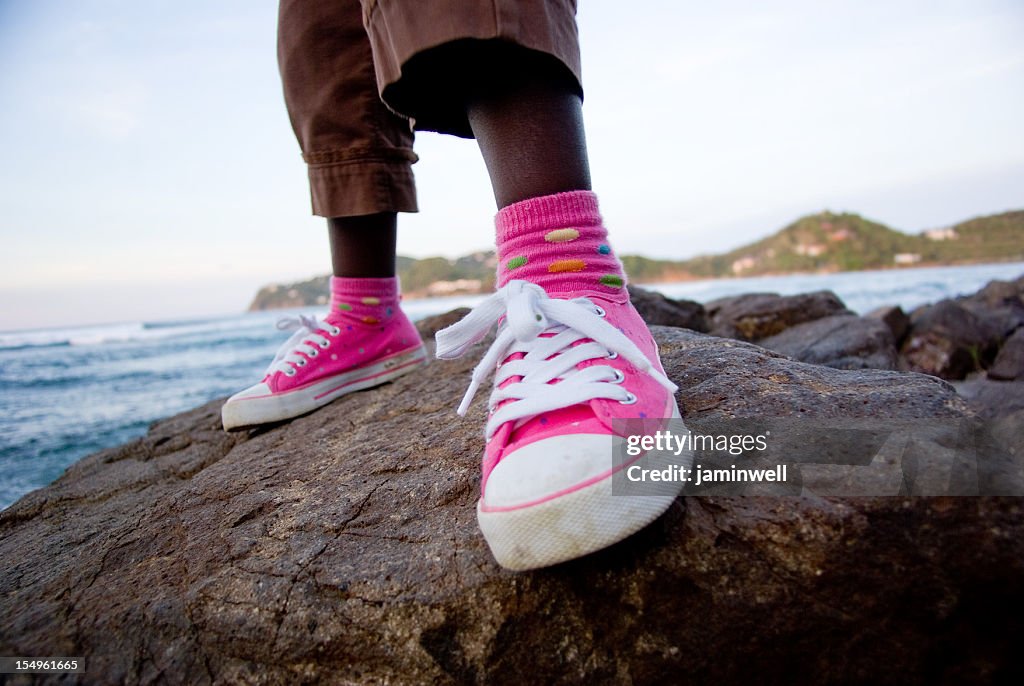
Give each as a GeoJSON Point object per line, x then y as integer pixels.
{"type": "Point", "coordinates": [358, 188]}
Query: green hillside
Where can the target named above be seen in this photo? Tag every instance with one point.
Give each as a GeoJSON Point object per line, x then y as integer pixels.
{"type": "Point", "coordinates": [819, 242]}
{"type": "Point", "coordinates": [996, 237]}
{"type": "Point", "coordinates": [830, 242]}
{"type": "Point", "coordinates": [418, 275]}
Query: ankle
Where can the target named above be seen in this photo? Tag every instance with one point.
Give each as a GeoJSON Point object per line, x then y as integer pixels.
{"type": "Point", "coordinates": [558, 242]}
{"type": "Point", "coordinates": [369, 301]}
{"type": "Point", "coordinates": [364, 246]}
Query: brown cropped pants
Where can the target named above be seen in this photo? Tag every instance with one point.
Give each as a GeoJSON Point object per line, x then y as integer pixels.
{"type": "Point", "coordinates": [341, 61]}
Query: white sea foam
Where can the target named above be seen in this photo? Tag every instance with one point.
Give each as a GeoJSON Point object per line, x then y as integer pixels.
{"type": "Point", "coordinates": [127, 332]}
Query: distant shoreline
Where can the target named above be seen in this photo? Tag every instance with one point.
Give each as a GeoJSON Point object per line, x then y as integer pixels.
{"type": "Point", "coordinates": [820, 272]}
{"type": "Point", "coordinates": [822, 243]}
{"type": "Point", "coordinates": [423, 295]}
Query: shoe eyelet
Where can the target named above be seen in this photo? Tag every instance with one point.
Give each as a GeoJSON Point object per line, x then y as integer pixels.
{"type": "Point", "coordinates": [313, 353]}
{"type": "Point", "coordinates": [630, 399]}
{"type": "Point", "coordinates": [612, 356]}
{"type": "Point", "coordinates": [291, 371]}
{"type": "Point", "coordinates": [619, 377]}
{"type": "Point", "coordinates": [599, 311]}
{"type": "Point", "coordinates": [300, 363]}
{"type": "Point", "coordinates": [335, 331]}
{"type": "Point", "coordinates": [325, 344]}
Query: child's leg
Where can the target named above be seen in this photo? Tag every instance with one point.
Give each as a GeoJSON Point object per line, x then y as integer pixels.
{"type": "Point", "coordinates": [359, 156]}
{"type": "Point", "coordinates": [572, 356]}
{"type": "Point", "coordinates": [363, 246]}
{"type": "Point", "coordinates": [359, 153]}
{"type": "Point", "coordinates": [529, 126]}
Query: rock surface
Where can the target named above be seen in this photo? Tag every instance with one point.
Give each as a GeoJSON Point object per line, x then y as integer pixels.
{"type": "Point", "coordinates": [1009, 363]}
{"type": "Point", "coordinates": [839, 341]}
{"type": "Point", "coordinates": [431, 325]}
{"type": "Point", "coordinates": [992, 399]}
{"type": "Point", "coordinates": [342, 547]}
{"type": "Point", "coordinates": [755, 316]}
{"type": "Point", "coordinates": [894, 317]}
{"type": "Point", "coordinates": [1001, 303]}
{"type": "Point", "coordinates": [950, 340]}
{"type": "Point", "coordinates": [658, 310]}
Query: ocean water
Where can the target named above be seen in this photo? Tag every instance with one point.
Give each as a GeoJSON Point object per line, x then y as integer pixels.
{"type": "Point", "coordinates": [65, 393]}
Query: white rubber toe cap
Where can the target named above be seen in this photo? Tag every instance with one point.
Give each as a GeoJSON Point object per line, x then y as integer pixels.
{"type": "Point", "coordinates": [253, 391]}
{"type": "Point", "coordinates": [259, 389]}
{"type": "Point", "coordinates": [547, 468]}
{"type": "Point", "coordinates": [235, 414]}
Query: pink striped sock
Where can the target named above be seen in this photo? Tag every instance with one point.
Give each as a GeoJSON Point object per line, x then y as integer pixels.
{"type": "Point", "coordinates": [367, 301]}
{"type": "Point", "coordinates": [559, 243]}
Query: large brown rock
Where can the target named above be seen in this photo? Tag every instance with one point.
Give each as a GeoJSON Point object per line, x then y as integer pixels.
{"type": "Point", "coordinates": [754, 316]}
{"type": "Point", "coordinates": [841, 341]}
{"type": "Point", "coordinates": [342, 547]}
{"type": "Point", "coordinates": [999, 302]}
{"type": "Point", "coordinates": [949, 340]}
{"type": "Point", "coordinates": [658, 310]}
{"type": "Point", "coordinates": [894, 317]}
{"type": "Point", "coordinates": [428, 326]}
{"type": "Point", "coordinates": [992, 399]}
{"type": "Point", "coordinates": [1009, 363]}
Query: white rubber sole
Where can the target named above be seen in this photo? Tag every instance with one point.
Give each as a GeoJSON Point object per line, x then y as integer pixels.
{"type": "Point", "coordinates": [574, 524]}
{"type": "Point", "coordinates": [248, 410]}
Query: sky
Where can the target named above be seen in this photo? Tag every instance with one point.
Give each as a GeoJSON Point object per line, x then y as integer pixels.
{"type": "Point", "coordinates": [148, 170]}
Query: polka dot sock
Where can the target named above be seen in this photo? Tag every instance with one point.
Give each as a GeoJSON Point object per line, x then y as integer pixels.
{"type": "Point", "coordinates": [367, 301]}
{"type": "Point", "coordinates": [559, 243]}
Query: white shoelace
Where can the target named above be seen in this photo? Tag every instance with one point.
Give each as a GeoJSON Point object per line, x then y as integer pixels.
{"type": "Point", "coordinates": [305, 340]}
{"type": "Point", "coordinates": [529, 312]}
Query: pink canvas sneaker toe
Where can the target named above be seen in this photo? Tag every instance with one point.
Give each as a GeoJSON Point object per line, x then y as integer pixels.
{"type": "Point", "coordinates": [364, 341]}
{"type": "Point", "coordinates": [565, 371]}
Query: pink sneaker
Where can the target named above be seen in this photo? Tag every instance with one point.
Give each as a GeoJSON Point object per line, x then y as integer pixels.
{"type": "Point", "coordinates": [357, 346]}
{"type": "Point", "coordinates": [564, 370]}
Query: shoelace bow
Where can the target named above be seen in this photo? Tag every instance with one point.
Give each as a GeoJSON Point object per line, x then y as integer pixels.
{"type": "Point", "coordinates": [305, 340]}
{"type": "Point", "coordinates": [530, 312]}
